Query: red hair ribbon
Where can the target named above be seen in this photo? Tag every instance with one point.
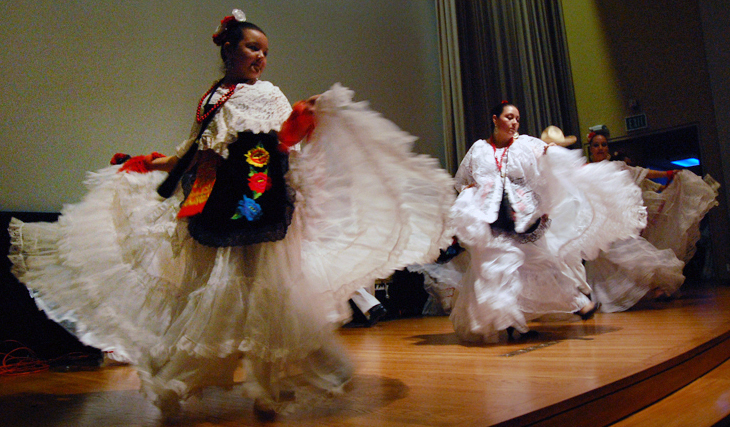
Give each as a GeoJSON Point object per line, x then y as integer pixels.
{"type": "Point", "coordinates": [218, 36]}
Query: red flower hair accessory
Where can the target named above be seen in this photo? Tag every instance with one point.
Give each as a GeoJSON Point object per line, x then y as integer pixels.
{"type": "Point", "coordinates": [236, 15]}
{"type": "Point", "coordinates": [591, 135]}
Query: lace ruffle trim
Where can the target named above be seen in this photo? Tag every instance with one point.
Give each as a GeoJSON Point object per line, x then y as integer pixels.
{"type": "Point", "coordinates": [258, 108]}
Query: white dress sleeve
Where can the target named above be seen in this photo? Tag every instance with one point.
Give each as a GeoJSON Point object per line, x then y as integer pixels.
{"type": "Point", "coordinates": [464, 176]}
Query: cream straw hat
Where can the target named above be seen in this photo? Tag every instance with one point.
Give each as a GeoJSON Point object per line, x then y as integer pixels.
{"type": "Point", "coordinates": [555, 135]}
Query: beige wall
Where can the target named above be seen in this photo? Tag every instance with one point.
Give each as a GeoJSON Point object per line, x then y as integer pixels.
{"type": "Point", "coordinates": [653, 52]}
{"type": "Point", "coordinates": [82, 80]}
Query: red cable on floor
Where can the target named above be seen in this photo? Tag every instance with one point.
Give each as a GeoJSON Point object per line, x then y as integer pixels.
{"type": "Point", "coordinates": [22, 360]}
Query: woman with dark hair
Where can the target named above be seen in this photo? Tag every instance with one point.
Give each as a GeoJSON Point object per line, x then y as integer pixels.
{"type": "Point", "coordinates": [598, 151]}
{"type": "Point", "coordinates": [255, 247]}
{"type": "Point", "coordinates": [650, 265]}
{"type": "Point", "coordinates": [525, 211]}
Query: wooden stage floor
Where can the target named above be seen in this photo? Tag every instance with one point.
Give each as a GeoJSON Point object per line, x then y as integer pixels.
{"type": "Point", "coordinates": [414, 372]}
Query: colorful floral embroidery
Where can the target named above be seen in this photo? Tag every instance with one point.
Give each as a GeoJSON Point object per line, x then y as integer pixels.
{"type": "Point", "coordinates": [249, 209]}
{"type": "Point", "coordinates": [259, 182]}
{"type": "Point", "coordinates": [257, 156]}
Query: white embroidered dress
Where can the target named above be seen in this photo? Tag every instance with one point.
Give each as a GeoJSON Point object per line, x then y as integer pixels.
{"type": "Point", "coordinates": [509, 280]}
{"type": "Point", "coordinates": [125, 271]}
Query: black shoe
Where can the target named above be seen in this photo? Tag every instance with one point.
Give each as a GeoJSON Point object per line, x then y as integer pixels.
{"type": "Point", "coordinates": [514, 335]}
{"type": "Point", "coordinates": [359, 319]}
{"type": "Point", "coordinates": [375, 314]}
{"type": "Point", "coordinates": [449, 253]}
{"type": "Point", "coordinates": [263, 410]}
{"type": "Point", "coordinates": [510, 333]}
{"type": "Point", "coordinates": [590, 313]}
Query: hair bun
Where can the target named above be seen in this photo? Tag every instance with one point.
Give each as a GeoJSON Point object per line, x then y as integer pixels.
{"type": "Point", "coordinates": [219, 36]}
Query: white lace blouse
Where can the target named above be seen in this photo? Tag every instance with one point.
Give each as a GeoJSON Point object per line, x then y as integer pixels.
{"type": "Point", "coordinates": [519, 178]}
{"type": "Point", "coordinates": [257, 107]}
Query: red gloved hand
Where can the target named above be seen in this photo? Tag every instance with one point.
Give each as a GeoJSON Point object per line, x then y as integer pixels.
{"type": "Point", "coordinates": [298, 126]}
{"type": "Point", "coordinates": [140, 164]}
{"type": "Point", "coordinates": [119, 158]}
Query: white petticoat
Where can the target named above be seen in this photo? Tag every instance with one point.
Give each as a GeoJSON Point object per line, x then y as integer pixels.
{"type": "Point", "coordinates": [124, 269]}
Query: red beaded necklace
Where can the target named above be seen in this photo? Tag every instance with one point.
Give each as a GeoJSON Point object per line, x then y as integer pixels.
{"type": "Point", "coordinates": [500, 161]}
{"type": "Point", "coordinates": [199, 116]}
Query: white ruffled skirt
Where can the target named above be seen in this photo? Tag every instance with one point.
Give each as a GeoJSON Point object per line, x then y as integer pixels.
{"type": "Point", "coordinates": [625, 273]}
{"type": "Point", "coordinates": [504, 283]}
{"type": "Point", "coordinates": [629, 270]}
{"type": "Point", "coordinates": [676, 212]}
{"type": "Point", "coordinates": [123, 269]}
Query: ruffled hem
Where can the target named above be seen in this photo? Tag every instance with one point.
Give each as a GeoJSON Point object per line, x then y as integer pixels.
{"type": "Point", "coordinates": [506, 284]}
{"type": "Point", "coordinates": [676, 212]}
{"type": "Point", "coordinates": [80, 274]}
{"type": "Point", "coordinates": [629, 270]}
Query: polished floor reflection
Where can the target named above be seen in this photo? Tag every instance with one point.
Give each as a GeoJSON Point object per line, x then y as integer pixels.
{"type": "Point", "coordinates": [415, 372]}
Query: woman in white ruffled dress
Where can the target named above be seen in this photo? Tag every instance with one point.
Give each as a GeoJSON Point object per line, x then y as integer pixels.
{"type": "Point", "coordinates": [240, 261]}
{"type": "Point", "coordinates": [526, 212]}
{"type": "Point", "coordinates": [651, 265]}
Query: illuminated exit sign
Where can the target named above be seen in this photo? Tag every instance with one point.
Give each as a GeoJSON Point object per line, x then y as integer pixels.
{"type": "Point", "coordinates": [636, 122]}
